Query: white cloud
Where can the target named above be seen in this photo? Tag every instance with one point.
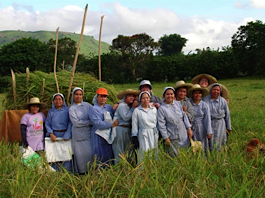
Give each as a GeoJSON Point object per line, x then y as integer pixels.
{"type": "Point", "coordinates": [258, 3]}
{"type": "Point", "coordinates": [200, 32]}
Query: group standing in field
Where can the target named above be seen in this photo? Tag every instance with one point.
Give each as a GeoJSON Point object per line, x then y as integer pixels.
{"type": "Point", "coordinates": [105, 134]}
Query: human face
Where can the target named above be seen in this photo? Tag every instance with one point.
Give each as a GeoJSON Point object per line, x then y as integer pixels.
{"type": "Point", "coordinates": [169, 96]}
{"type": "Point", "coordinates": [78, 96]}
{"type": "Point", "coordinates": [145, 88]}
{"type": "Point", "coordinates": [58, 101]}
{"type": "Point", "coordinates": [181, 93]}
{"type": "Point", "coordinates": [129, 99]}
{"type": "Point", "coordinates": [145, 100]}
{"type": "Point", "coordinates": [34, 108]}
{"type": "Point", "coordinates": [102, 99]}
{"type": "Point", "coordinates": [204, 83]}
{"type": "Point", "coordinates": [215, 92]}
{"type": "Point", "coordinates": [197, 95]}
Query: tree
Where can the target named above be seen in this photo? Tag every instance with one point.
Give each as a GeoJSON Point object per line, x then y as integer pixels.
{"type": "Point", "coordinates": [172, 44]}
{"type": "Point", "coordinates": [23, 53]}
{"type": "Point", "coordinates": [248, 45]}
{"type": "Point", "coordinates": [65, 51]}
{"type": "Point", "coordinates": [136, 49]}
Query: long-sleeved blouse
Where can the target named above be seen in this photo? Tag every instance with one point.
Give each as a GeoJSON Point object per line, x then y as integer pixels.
{"type": "Point", "coordinates": [186, 102]}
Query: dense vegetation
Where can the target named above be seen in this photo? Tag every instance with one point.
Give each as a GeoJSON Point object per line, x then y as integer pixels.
{"type": "Point", "coordinates": [225, 174]}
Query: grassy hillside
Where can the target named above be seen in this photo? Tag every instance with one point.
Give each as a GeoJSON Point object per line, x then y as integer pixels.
{"type": "Point", "coordinates": [88, 45]}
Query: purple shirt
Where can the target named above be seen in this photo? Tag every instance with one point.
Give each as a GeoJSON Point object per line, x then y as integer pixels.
{"type": "Point", "coordinates": [35, 131]}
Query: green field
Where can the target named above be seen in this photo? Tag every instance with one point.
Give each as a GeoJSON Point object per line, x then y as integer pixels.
{"type": "Point", "coordinates": [225, 174]}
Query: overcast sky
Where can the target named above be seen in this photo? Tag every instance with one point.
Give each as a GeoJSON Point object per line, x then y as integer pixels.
{"type": "Point", "coordinates": [205, 23]}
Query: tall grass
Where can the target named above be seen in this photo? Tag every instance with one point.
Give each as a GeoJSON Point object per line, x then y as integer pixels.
{"type": "Point", "coordinates": [224, 174]}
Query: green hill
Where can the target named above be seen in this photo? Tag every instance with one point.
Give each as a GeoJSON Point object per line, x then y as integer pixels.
{"type": "Point", "coordinates": [88, 44]}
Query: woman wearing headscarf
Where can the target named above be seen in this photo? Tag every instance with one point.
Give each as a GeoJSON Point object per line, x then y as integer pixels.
{"type": "Point", "coordinates": [145, 85]}
{"type": "Point", "coordinates": [201, 126]}
{"type": "Point", "coordinates": [124, 113]}
{"type": "Point", "coordinates": [81, 131]}
{"type": "Point", "coordinates": [220, 116]}
{"type": "Point", "coordinates": [58, 124]}
{"type": "Point", "coordinates": [173, 123]}
{"type": "Point", "coordinates": [144, 129]}
{"type": "Point", "coordinates": [32, 125]}
{"type": "Point", "coordinates": [181, 90]}
{"type": "Point", "coordinates": [102, 150]}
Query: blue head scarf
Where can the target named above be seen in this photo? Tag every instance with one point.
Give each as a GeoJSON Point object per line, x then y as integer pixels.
{"type": "Point", "coordinates": [73, 92]}
{"type": "Point", "coordinates": [57, 95]}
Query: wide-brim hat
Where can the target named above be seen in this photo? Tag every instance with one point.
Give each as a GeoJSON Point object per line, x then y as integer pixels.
{"type": "Point", "coordinates": [197, 87]}
{"type": "Point", "coordinates": [196, 79]}
{"type": "Point", "coordinates": [224, 92]}
{"type": "Point", "coordinates": [182, 83]}
{"type": "Point", "coordinates": [126, 92]}
{"type": "Point", "coordinates": [145, 82]}
{"type": "Point", "coordinates": [34, 101]}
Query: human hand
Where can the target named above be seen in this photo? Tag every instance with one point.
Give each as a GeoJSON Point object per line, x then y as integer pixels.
{"type": "Point", "coordinates": [167, 142]}
{"type": "Point", "coordinates": [115, 106]}
{"type": "Point", "coordinates": [209, 136]}
{"type": "Point", "coordinates": [115, 123]}
{"type": "Point", "coordinates": [135, 104]}
{"type": "Point", "coordinates": [53, 137]}
{"type": "Point", "coordinates": [184, 109]}
{"type": "Point", "coordinates": [190, 133]}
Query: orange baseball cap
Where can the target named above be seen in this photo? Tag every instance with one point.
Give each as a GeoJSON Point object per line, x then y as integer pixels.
{"type": "Point", "coordinates": [102, 91]}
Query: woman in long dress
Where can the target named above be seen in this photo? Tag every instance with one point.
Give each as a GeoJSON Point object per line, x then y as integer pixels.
{"type": "Point", "coordinates": [124, 113]}
{"type": "Point", "coordinates": [220, 116]}
{"type": "Point", "coordinates": [81, 131]}
{"type": "Point", "coordinates": [58, 124]}
{"type": "Point", "coordinates": [144, 129]}
{"type": "Point", "coordinates": [173, 123]}
{"type": "Point", "coordinates": [102, 150]}
{"type": "Point", "coordinates": [201, 127]}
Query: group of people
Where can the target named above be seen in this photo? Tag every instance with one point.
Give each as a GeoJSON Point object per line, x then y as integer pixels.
{"type": "Point", "coordinates": [105, 133]}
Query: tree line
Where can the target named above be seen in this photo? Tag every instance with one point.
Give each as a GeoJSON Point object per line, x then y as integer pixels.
{"type": "Point", "coordinates": [132, 58]}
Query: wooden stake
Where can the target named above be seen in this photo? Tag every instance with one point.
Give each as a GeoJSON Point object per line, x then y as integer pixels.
{"type": "Point", "coordinates": [14, 88]}
{"type": "Point", "coordinates": [63, 65]}
{"type": "Point", "coordinates": [99, 44]}
{"type": "Point", "coordinates": [76, 56]}
{"type": "Point", "coordinates": [55, 58]}
{"type": "Point", "coordinates": [27, 82]}
{"type": "Point", "coordinates": [43, 85]}
{"type": "Point", "coordinates": [83, 88]}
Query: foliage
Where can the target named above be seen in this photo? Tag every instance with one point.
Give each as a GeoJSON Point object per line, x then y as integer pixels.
{"type": "Point", "coordinates": [225, 174]}
{"type": "Point", "coordinates": [34, 88]}
{"type": "Point", "coordinates": [171, 44]}
{"type": "Point", "coordinates": [66, 50]}
{"type": "Point", "coordinates": [249, 47]}
{"type": "Point", "coordinates": [23, 53]}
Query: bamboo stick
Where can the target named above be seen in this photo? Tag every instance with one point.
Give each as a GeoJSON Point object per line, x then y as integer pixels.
{"type": "Point", "coordinates": [27, 82]}
{"type": "Point", "coordinates": [83, 88]}
{"type": "Point", "coordinates": [63, 65]}
{"type": "Point", "coordinates": [14, 88]}
{"type": "Point", "coordinates": [55, 59]}
{"type": "Point", "coordinates": [76, 57]}
{"type": "Point", "coordinates": [43, 85]}
{"type": "Point", "coordinates": [99, 44]}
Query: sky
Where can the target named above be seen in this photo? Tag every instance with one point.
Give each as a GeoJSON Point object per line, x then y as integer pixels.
{"type": "Point", "coordinates": [204, 23]}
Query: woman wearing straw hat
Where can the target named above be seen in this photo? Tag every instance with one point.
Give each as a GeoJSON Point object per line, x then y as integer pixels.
{"type": "Point", "coordinates": [32, 125]}
{"type": "Point", "coordinates": [181, 90]}
{"type": "Point", "coordinates": [58, 124]}
{"type": "Point", "coordinates": [124, 113]}
{"type": "Point", "coordinates": [102, 150]}
{"type": "Point", "coordinates": [144, 126]}
{"type": "Point", "coordinates": [201, 125]}
{"type": "Point", "coordinates": [220, 116]}
{"type": "Point", "coordinates": [81, 131]}
{"type": "Point", "coordinates": [173, 123]}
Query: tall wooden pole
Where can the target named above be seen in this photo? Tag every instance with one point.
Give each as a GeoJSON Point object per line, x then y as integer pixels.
{"type": "Point", "coordinates": [99, 43]}
{"type": "Point", "coordinates": [27, 82]}
{"type": "Point", "coordinates": [55, 59]}
{"type": "Point", "coordinates": [76, 56]}
{"type": "Point", "coordinates": [14, 88]}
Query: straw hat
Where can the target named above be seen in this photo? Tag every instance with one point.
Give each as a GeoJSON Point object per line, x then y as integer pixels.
{"type": "Point", "coordinates": [224, 91]}
{"type": "Point", "coordinates": [196, 87]}
{"type": "Point", "coordinates": [196, 79]}
{"type": "Point", "coordinates": [195, 145]}
{"type": "Point", "coordinates": [34, 101]}
{"type": "Point", "coordinates": [126, 92]}
{"type": "Point", "coordinates": [182, 83]}
{"type": "Point", "coordinates": [102, 91]}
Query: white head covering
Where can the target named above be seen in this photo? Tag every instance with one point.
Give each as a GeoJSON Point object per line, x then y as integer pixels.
{"type": "Point", "coordinates": [165, 89]}
{"type": "Point", "coordinates": [94, 101]}
{"type": "Point", "coordinates": [140, 96]}
{"type": "Point", "coordinates": [59, 95]}
{"type": "Point", "coordinates": [73, 92]}
{"type": "Point", "coordinates": [213, 85]}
